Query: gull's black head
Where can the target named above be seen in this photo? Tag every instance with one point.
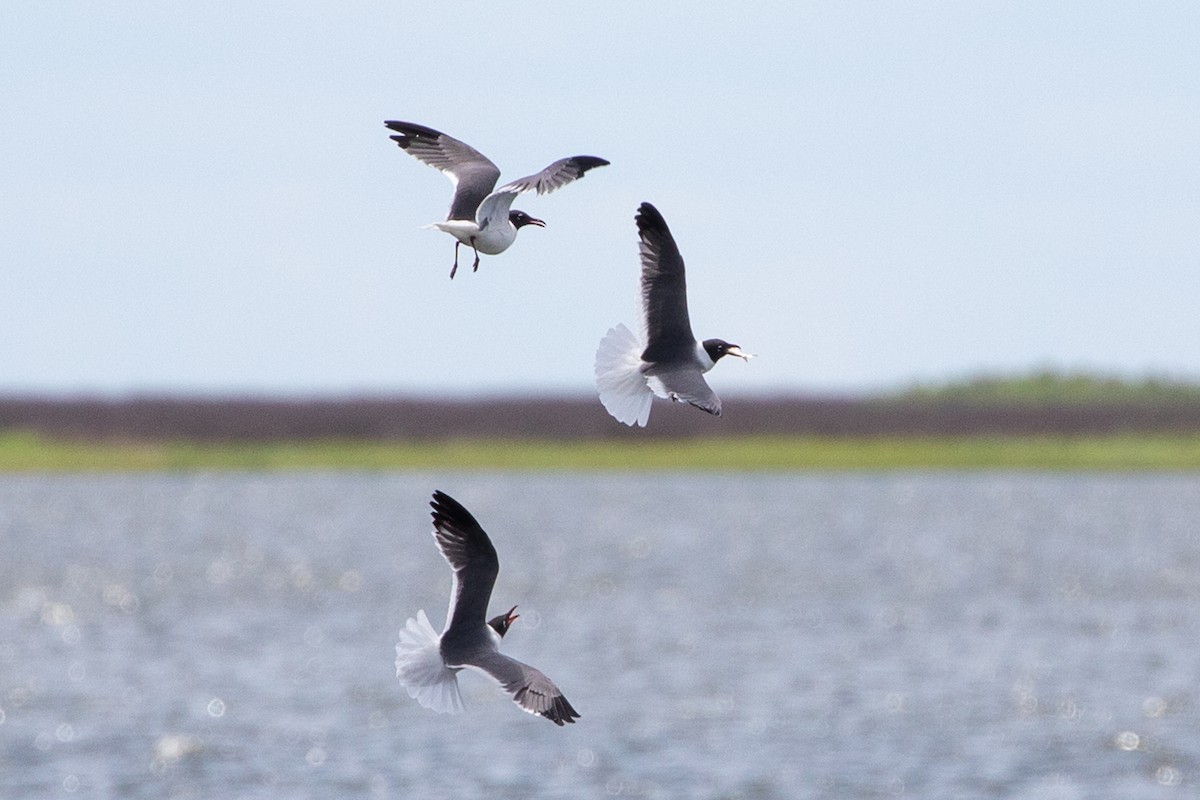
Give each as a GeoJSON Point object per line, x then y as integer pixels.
{"type": "Point", "coordinates": [719, 347]}
{"type": "Point", "coordinates": [519, 219]}
{"type": "Point", "coordinates": [501, 623]}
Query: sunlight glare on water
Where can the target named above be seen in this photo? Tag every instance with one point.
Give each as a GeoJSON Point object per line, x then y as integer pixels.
{"type": "Point", "coordinates": [798, 636]}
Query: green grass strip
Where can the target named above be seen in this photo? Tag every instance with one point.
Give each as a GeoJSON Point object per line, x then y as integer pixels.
{"type": "Point", "coordinates": [24, 452]}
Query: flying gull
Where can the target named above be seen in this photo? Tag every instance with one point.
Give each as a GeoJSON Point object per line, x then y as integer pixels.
{"type": "Point", "coordinates": [666, 360]}
{"type": "Point", "coordinates": [428, 665]}
{"type": "Point", "coordinates": [479, 216]}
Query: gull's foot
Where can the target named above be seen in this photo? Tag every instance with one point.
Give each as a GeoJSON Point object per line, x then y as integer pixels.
{"type": "Point", "coordinates": [454, 269]}
{"type": "Point", "coordinates": [475, 266]}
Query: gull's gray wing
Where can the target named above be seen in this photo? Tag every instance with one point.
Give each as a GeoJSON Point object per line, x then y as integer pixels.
{"type": "Point", "coordinates": [529, 687]}
{"type": "Point", "coordinates": [686, 384]}
{"type": "Point", "coordinates": [473, 174]}
{"type": "Point", "coordinates": [495, 206]}
{"type": "Point", "coordinates": [668, 331]}
{"type": "Point", "coordinates": [555, 176]}
{"type": "Point", "coordinates": [470, 553]}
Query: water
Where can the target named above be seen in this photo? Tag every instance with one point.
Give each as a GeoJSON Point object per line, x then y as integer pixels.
{"type": "Point", "coordinates": [729, 636]}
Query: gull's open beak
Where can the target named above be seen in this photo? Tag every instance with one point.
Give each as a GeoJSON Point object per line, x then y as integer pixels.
{"type": "Point", "coordinates": [511, 616]}
{"type": "Point", "coordinates": [740, 353]}
{"type": "Point", "coordinates": [536, 221]}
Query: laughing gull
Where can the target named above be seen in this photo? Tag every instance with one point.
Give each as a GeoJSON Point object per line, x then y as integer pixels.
{"type": "Point", "coordinates": [670, 362]}
{"type": "Point", "coordinates": [428, 665]}
{"type": "Point", "coordinates": [480, 217]}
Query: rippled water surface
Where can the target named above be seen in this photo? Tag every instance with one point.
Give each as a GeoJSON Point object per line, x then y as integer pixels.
{"type": "Point", "coordinates": [724, 636]}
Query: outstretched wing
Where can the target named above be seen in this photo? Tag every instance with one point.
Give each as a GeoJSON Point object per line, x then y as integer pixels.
{"type": "Point", "coordinates": [495, 206]}
{"type": "Point", "coordinates": [668, 331]}
{"type": "Point", "coordinates": [686, 386]}
{"type": "Point", "coordinates": [555, 176]}
{"type": "Point", "coordinates": [472, 173]}
{"type": "Point", "coordinates": [529, 687]}
{"type": "Point", "coordinates": [470, 553]}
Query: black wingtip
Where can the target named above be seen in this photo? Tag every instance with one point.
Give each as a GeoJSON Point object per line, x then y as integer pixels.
{"type": "Point", "coordinates": [561, 712]}
{"type": "Point", "coordinates": [446, 508]}
{"type": "Point", "coordinates": [584, 163]}
{"type": "Point", "coordinates": [409, 131]}
{"type": "Point", "coordinates": [649, 219]}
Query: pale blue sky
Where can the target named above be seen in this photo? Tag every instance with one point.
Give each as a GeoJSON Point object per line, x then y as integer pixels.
{"type": "Point", "coordinates": [202, 196]}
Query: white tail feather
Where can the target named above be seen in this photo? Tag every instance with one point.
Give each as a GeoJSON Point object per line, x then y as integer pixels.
{"type": "Point", "coordinates": [422, 672]}
{"type": "Point", "coordinates": [619, 379]}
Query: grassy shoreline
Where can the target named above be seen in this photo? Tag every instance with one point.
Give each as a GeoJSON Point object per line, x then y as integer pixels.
{"type": "Point", "coordinates": [26, 453]}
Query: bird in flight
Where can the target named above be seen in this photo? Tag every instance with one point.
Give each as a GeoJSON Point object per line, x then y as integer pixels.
{"type": "Point", "coordinates": [666, 360]}
{"type": "Point", "coordinates": [479, 216]}
{"type": "Point", "coordinates": [428, 664]}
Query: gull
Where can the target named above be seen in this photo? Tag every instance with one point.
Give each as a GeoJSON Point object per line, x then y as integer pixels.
{"type": "Point", "coordinates": [666, 360]}
{"type": "Point", "coordinates": [479, 216]}
{"type": "Point", "coordinates": [428, 665]}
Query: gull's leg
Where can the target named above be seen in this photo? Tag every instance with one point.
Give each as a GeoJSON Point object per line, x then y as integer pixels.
{"type": "Point", "coordinates": [454, 269]}
{"type": "Point", "coordinates": [475, 267]}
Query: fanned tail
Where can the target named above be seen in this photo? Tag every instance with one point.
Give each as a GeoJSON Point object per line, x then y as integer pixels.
{"type": "Point", "coordinates": [422, 672]}
{"type": "Point", "coordinates": [619, 379]}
